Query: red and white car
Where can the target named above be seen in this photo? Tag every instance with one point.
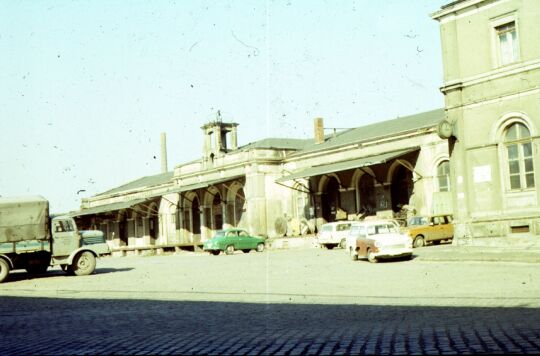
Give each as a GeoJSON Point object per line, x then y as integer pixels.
{"type": "Point", "coordinates": [378, 239]}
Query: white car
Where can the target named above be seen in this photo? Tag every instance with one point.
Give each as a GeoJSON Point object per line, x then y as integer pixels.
{"type": "Point", "coordinates": [378, 239]}
{"type": "Point", "coordinates": [333, 234]}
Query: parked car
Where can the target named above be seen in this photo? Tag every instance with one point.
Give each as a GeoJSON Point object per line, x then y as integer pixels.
{"type": "Point", "coordinates": [424, 229]}
{"type": "Point", "coordinates": [334, 234]}
{"type": "Point", "coordinates": [229, 240]}
{"type": "Point", "coordinates": [378, 239]}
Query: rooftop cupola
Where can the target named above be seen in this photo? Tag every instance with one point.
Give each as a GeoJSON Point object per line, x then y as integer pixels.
{"type": "Point", "coordinates": [219, 138]}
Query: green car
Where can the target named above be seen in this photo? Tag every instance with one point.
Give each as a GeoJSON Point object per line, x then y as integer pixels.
{"type": "Point", "coordinates": [229, 240]}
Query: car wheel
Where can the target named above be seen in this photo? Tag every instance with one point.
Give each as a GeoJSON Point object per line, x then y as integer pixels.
{"type": "Point", "coordinates": [419, 241]}
{"type": "Point", "coordinates": [371, 257]}
{"type": "Point", "coordinates": [246, 251]}
{"type": "Point", "coordinates": [229, 250]}
{"type": "Point", "coordinates": [215, 252]}
{"type": "Point", "coordinates": [353, 254]}
{"type": "Point", "coordinates": [260, 247]}
{"type": "Point", "coordinates": [4, 269]}
{"type": "Point", "coordinates": [343, 243]}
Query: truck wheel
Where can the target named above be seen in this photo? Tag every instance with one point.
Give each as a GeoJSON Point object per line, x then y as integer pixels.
{"type": "Point", "coordinates": [84, 264]}
{"type": "Point", "coordinates": [4, 269]}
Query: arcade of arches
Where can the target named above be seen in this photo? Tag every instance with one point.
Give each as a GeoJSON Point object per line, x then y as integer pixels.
{"type": "Point", "coordinates": [363, 191]}
{"type": "Point", "coordinates": [197, 215]}
{"type": "Point", "coordinates": [204, 211]}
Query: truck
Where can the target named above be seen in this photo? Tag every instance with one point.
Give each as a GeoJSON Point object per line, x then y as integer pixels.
{"type": "Point", "coordinates": [31, 239]}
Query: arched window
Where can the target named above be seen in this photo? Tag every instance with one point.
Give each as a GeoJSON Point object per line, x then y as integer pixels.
{"type": "Point", "coordinates": [519, 156]}
{"type": "Point", "coordinates": [443, 176]}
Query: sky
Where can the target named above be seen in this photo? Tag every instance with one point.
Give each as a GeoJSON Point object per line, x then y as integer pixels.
{"type": "Point", "coordinates": [86, 87]}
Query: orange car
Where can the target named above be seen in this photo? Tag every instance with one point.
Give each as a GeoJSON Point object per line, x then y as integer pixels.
{"type": "Point", "coordinates": [424, 229]}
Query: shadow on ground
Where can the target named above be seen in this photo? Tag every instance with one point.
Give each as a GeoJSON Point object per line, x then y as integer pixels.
{"type": "Point", "coordinates": [127, 326]}
{"type": "Point", "coordinates": [21, 275]}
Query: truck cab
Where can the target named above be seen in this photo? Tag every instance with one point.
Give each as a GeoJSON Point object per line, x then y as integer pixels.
{"type": "Point", "coordinates": [75, 250]}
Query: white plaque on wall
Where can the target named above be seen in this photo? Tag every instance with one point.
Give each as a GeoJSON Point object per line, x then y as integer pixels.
{"type": "Point", "coordinates": [482, 174]}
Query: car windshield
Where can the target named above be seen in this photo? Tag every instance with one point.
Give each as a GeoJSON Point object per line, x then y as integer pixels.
{"type": "Point", "coordinates": [220, 233]}
{"type": "Point", "coordinates": [417, 221]}
{"type": "Point", "coordinates": [357, 230]}
{"type": "Point", "coordinates": [381, 229]}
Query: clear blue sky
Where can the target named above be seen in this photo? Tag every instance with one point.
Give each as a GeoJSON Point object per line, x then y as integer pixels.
{"type": "Point", "coordinates": [87, 86]}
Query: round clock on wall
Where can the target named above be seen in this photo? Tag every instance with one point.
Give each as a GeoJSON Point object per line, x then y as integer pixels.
{"type": "Point", "coordinates": [445, 129]}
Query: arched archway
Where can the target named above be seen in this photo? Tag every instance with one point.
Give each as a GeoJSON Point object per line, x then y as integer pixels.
{"type": "Point", "coordinates": [365, 187]}
{"type": "Point", "coordinates": [212, 211]}
{"type": "Point", "coordinates": [236, 205]}
{"type": "Point", "coordinates": [153, 222]}
{"type": "Point", "coordinates": [330, 198]}
{"type": "Point", "coordinates": [217, 212]}
{"type": "Point", "coordinates": [195, 216]}
{"type": "Point", "coordinates": [402, 187]}
{"type": "Point", "coordinates": [122, 227]}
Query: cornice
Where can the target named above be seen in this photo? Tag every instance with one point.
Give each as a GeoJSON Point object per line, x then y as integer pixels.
{"type": "Point", "coordinates": [491, 75]}
{"type": "Point", "coordinates": [360, 144]}
{"type": "Point", "coordinates": [463, 8]}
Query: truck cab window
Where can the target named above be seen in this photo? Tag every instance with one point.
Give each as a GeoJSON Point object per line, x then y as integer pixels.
{"type": "Point", "coordinates": [58, 227]}
{"type": "Point", "coordinates": [68, 225]}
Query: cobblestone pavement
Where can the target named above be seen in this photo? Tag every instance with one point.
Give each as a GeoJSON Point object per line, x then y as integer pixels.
{"type": "Point", "coordinates": [274, 303]}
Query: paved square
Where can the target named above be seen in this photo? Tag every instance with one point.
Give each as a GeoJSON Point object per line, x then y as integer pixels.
{"type": "Point", "coordinates": [277, 302]}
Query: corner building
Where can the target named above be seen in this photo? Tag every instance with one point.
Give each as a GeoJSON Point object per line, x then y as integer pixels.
{"type": "Point", "coordinates": [491, 58]}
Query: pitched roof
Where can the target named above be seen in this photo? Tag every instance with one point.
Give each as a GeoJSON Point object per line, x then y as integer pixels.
{"type": "Point", "coordinates": [148, 181]}
{"type": "Point", "coordinates": [301, 146]}
{"type": "Point", "coordinates": [278, 143]}
{"type": "Point", "coordinates": [377, 130]}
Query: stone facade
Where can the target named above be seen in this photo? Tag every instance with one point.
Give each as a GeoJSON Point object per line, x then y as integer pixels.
{"type": "Point", "coordinates": [277, 187]}
{"type": "Point", "coordinates": [491, 56]}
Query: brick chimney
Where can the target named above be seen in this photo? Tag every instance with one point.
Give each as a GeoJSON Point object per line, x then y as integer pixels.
{"type": "Point", "coordinates": [163, 139]}
{"type": "Point", "coordinates": [318, 127]}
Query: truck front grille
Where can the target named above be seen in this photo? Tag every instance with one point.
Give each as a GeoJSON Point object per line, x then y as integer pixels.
{"type": "Point", "coordinates": [93, 240]}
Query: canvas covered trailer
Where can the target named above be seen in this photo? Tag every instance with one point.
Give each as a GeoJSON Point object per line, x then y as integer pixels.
{"type": "Point", "coordinates": [24, 218]}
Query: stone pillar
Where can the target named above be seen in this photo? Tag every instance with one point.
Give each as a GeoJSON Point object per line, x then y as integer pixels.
{"type": "Point", "coordinates": [317, 200]}
{"type": "Point", "coordinates": [181, 229]}
{"type": "Point", "coordinates": [131, 232]}
{"type": "Point", "coordinates": [190, 237]}
{"type": "Point", "coordinates": [207, 142]}
{"type": "Point", "coordinates": [225, 214]}
{"type": "Point", "coordinates": [146, 231]}
{"type": "Point", "coordinates": [203, 223]}
{"type": "Point", "coordinates": [217, 137]}
{"type": "Point", "coordinates": [234, 138]}
{"type": "Point", "coordinates": [115, 237]}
